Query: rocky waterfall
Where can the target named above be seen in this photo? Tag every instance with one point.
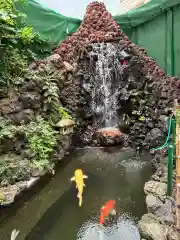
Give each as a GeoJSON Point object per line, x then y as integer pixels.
{"type": "Point", "coordinates": [106, 85]}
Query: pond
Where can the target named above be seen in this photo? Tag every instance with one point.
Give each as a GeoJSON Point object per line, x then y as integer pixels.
{"type": "Point", "coordinates": [53, 212]}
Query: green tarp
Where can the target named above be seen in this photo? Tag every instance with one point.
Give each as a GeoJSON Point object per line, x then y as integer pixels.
{"type": "Point", "coordinates": [54, 27]}
{"type": "Point", "coordinates": [50, 25]}
{"type": "Point", "coordinates": [154, 26]}
{"type": "Point", "coordinates": [144, 13]}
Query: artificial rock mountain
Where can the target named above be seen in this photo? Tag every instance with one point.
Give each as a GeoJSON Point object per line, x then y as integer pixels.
{"type": "Point", "coordinates": [145, 93]}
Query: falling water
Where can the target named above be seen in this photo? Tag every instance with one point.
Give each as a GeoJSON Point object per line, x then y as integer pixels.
{"type": "Point", "coordinates": [106, 84]}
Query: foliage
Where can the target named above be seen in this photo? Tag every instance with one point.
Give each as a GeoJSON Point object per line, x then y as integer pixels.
{"type": "Point", "coordinates": [11, 171]}
{"type": "Point", "coordinates": [2, 197]}
{"type": "Point", "coordinates": [7, 130]}
{"type": "Point", "coordinates": [178, 116]}
{"type": "Point", "coordinates": [64, 114]}
{"type": "Point", "coordinates": [48, 76]}
{"type": "Point", "coordinates": [16, 40]}
{"type": "Point", "coordinates": [42, 139]}
{"type": "Point", "coordinates": [142, 118]}
{"type": "Point", "coordinates": [51, 97]}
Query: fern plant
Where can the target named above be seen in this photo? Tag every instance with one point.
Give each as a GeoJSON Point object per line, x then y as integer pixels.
{"type": "Point", "coordinates": [42, 139]}
{"type": "Point", "coordinates": [51, 98]}
{"type": "Point", "coordinates": [49, 76]}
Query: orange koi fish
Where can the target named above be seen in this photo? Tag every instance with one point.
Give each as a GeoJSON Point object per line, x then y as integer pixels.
{"type": "Point", "coordinates": [79, 180]}
{"type": "Point", "coordinates": [106, 210]}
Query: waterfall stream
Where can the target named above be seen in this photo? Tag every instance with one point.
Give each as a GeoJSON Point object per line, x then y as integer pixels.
{"type": "Point", "coordinates": [106, 84]}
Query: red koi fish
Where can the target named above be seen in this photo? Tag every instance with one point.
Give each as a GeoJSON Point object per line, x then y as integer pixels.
{"type": "Point", "coordinates": [106, 210]}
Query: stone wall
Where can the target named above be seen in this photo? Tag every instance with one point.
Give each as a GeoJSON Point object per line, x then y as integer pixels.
{"type": "Point", "coordinates": [159, 222]}
{"type": "Point", "coordinates": [21, 107]}
{"type": "Point", "coordinates": [143, 111]}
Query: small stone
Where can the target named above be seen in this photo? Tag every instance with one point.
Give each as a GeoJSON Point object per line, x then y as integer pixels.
{"type": "Point", "coordinates": [68, 66]}
{"type": "Point", "coordinates": [155, 178]}
{"type": "Point", "coordinates": [3, 92]}
{"type": "Point", "coordinates": [32, 181]}
{"type": "Point", "coordinates": [163, 123]}
{"type": "Point", "coordinates": [173, 234]}
{"type": "Point", "coordinates": [152, 203]}
{"type": "Point", "coordinates": [109, 136]}
{"type": "Point", "coordinates": [161, 173]}
{"type": "Point", "coordinates": [35, 172]}
{"type": "Point", "coordinates": [155, 137]}
{"type": "Point", "coordinates": [157, 189]}
{"type": "Point", "coordinates": [31, 100]}
{"type": "Point", "coordinates": [165, 213]}
{"type": "Point", "coordinates": [65, 142]}
{"type": "Point", "coordinates": [22, 185]}
{"type": "Point", "coordinates": [8, 105]}
{"type": "Point", "coordinates": [16, 170]}
{"type": "Point", "coordinates": [150, 228]}
{"type": "Point", "coordinates": [9, 194]}
{"type": "Point", "coordinates": [54, 58]}
{"type": "Point", "coordinates": [24, 117]}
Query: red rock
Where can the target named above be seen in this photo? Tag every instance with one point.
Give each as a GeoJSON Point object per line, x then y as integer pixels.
{"type": "Point", "coordinates": [68, 67]}
{"type": "Point", "coordinates": [109, 132]}
{"type": "Point", "coordinates": [96, 24]}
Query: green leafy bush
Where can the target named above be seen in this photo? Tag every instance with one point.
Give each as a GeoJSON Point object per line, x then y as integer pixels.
{"type": "Point", "coordinates": [42, 139]}
{"type": "Point", "coordinates": [64, 114]}
{"type": "Point", "coordinates": [17, 43]}
{"type": "Point", "coordinates": [49, 75]}
{"type": "Point", "coordinates": [12, 170]}
{"type": "Point", "coordinates": [2, 197]}
{"type": "Point", "coordinates": [7, 130]}
{"type": "Point", "coordinates": [178, 116]}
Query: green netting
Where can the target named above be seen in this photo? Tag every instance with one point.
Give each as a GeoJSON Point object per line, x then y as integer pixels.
{"type": "Point", "coordinates": [176, 28]}
{"type": "Point", "coordinates": [55, 27]}
{"type": "Point", "coordinates": [51, 26]}
{"type": "Point", "coordinates": [144, 13]}
{"type": "Point", "coordinates": [160, 36]}
{"type": "Point", "coordinates": [154, 25]}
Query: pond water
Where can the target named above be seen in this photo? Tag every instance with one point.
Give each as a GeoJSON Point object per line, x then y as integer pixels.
{"type": "Point", "coordinates": [53, 212]}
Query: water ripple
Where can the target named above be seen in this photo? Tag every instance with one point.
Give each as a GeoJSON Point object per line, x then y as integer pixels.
{"type": "Point", "coordinates": [122, 228]}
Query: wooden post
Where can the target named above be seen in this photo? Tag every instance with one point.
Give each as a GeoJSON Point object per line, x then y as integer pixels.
{"type": "Point", "coordinates": [177, 171]}
{"type": "Point", "coordinates": [178, 207]}
{"type": "Point", "coordinates": [177, 149]}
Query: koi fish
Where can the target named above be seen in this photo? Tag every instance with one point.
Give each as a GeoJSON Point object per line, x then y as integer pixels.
{"type": "Point", "coordinates": [79, 180]}
{"type": "Point", "coordinates": [14, 234]}
{"type": "Point", "coordinates": [106, 210]}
